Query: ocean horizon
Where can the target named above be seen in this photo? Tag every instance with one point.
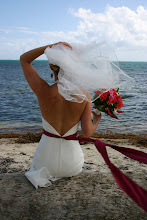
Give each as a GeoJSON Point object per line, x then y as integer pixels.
{"type": "Point", "coordinates": [20, 111]}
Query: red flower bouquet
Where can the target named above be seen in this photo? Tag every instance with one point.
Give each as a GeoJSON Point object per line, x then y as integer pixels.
{"type": "Point", "coordinates": [108, 102]}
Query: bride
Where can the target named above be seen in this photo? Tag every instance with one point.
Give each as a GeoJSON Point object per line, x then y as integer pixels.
{"type": "Point", "coordinates": [55, 158]}
{"type": "Point", "coordinates": [76, 69]}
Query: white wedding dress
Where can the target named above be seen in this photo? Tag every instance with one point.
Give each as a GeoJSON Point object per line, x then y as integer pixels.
{"type": "Point", "coordinates": [55, 158]}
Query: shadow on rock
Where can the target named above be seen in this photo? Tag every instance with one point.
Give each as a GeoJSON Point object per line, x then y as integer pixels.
{"type": "Point", "coordinates": [86, 196]}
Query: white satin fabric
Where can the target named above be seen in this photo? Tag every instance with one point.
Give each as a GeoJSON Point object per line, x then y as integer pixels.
{"type": "Point", "coordinates": [55, 158]}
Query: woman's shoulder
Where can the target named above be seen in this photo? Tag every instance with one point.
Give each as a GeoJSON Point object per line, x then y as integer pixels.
{"type": "Point", "coordinates": [87, 95]}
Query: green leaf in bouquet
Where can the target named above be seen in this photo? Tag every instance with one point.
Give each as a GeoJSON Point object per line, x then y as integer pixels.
{"type": "Point", "coordinates": [125, 97]}
{"type": "Point", "coordinates": [100, 107]}
{"type": "Point", "coordinates": [117, 90]}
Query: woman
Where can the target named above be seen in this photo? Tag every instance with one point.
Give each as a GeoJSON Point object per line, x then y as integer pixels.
{"type": "Point", "coordinates": [56, 157]}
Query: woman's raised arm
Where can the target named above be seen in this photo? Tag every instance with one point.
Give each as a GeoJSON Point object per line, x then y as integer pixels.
{"type": "Point", "coordinates": [34, 80]}
{"type": "Point", "coordinates": [36, 83]}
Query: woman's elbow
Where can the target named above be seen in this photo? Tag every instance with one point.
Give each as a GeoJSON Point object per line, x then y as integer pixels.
{"type": "Point", "coordinates": [21, 58]}
{"type": "Point", "coordinates": [86, 133]}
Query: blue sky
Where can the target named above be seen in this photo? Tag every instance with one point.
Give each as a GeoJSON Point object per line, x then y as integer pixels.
{"type": "Point", "coordinates": [27, 24]}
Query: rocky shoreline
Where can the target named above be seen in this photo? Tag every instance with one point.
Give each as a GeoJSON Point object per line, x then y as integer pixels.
{"type": "Point", "coordinates": [93, 194]}
{"type": "Point", "coordinates": [34, 137]}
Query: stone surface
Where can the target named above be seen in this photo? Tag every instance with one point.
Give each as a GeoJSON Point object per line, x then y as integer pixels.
{"type": "Point", "coordinates": [88, 196]}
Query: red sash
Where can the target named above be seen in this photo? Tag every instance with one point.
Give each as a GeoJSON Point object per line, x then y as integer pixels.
{"type": "Point", "coordinates": [132, 189]}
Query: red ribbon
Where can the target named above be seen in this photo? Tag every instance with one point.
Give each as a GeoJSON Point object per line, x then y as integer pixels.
{"type": "Point", "coordinates": [132, 189]}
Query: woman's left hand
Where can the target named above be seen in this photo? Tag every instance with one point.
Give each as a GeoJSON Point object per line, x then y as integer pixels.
{"type": "Point", "coordinates": [96, 118]}
{"type": "Point", "coordinates": [64, 44]}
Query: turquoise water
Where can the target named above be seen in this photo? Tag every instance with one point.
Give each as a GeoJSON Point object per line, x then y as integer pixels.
{"type": "Point", "coordinates": [19, 108]}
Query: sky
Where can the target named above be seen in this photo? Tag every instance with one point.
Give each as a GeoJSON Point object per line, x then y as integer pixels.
{"type": "Point", "coordinates": [28, 24]}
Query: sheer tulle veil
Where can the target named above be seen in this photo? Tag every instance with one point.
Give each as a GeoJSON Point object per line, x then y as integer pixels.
{"type": "Point", "coordinates": [92, 67]}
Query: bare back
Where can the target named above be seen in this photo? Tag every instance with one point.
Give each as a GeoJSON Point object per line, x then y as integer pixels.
{"type": "Point", "coordinates": [58, 112]}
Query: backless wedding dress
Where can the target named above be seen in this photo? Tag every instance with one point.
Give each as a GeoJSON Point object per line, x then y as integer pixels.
{"type": "Point", "coordinates": [91, 68]}
{"type": "Point", "coordinates": [55, 158]}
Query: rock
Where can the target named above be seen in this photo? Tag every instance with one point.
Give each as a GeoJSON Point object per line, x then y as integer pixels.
{"type": "Point", "coordinates": [87, 196]}
{"type": "Point", "coordinates": [29, 138]}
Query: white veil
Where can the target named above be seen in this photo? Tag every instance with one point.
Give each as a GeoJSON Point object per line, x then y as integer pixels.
{"type": "Point", "coordinates": [92, 67]}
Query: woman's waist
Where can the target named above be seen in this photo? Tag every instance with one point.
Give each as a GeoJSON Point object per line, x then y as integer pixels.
{"type": "Point", "coordinates": [61, 131]}
{"type": "Point", "coordinates": [71, 136]}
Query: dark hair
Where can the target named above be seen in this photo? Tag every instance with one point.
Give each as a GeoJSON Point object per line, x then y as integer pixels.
{"type": "Point", "coordinates": [55, 68]}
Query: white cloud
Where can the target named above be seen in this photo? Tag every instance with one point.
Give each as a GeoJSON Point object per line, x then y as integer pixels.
{"type": "Point", "coordinates": [116, 24]}
{"type": "Point", "coordinates": [122, 28]}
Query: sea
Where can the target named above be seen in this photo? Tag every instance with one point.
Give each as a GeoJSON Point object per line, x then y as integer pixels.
{"type": "Point", "coordinates": [19, 110]}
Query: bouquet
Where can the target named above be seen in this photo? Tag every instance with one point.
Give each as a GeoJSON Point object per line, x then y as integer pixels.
{"type": "Point", "coordinates": [108, 102]}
